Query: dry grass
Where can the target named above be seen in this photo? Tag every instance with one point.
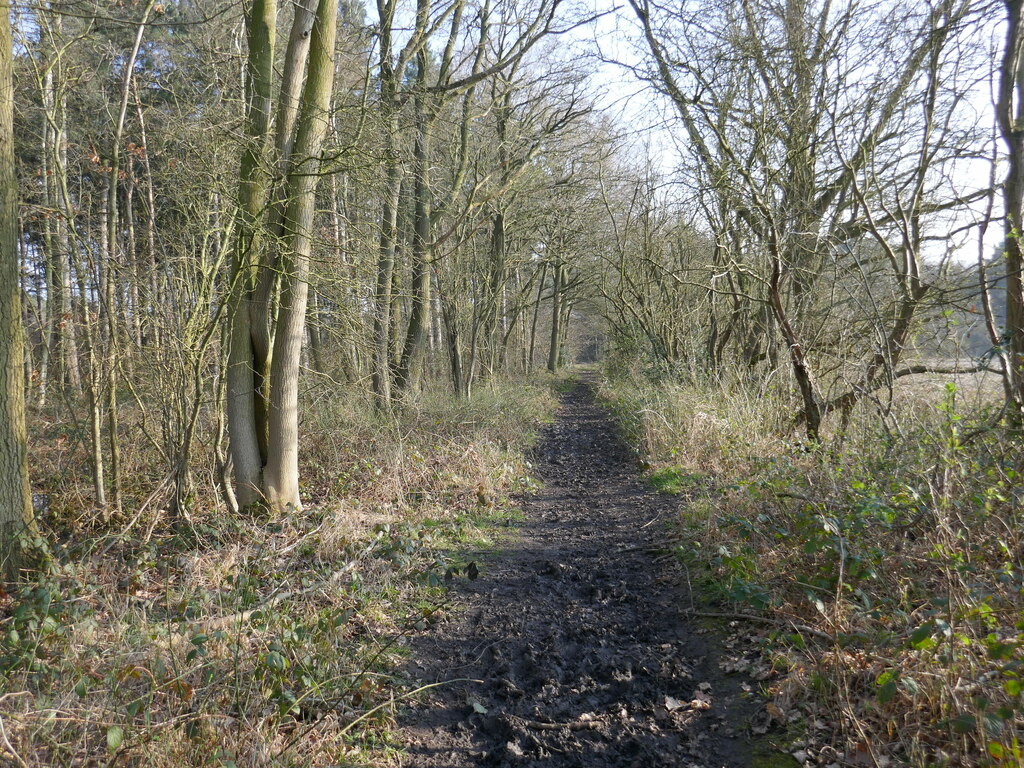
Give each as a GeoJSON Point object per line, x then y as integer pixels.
{"type": "Point", "coordinates": [900, 540]}
{"type": "Point", "coordinates": [255, 640]}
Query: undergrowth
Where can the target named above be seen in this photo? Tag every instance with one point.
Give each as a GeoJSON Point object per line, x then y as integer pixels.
{"type": "Point", "coordinates": [887, 560]}
{"type": "Point", "coordinates": [209, 639]}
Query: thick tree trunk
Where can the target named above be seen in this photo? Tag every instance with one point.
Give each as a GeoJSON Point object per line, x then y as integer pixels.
{"type": "Point", "coordinates": [1010, 111]}
{"type": "Point", "coordinates": [15, 495]}
{"type": "Point", "coordinates": [247, 458]}
{"type": "Point", "coordinates": [281, 476]}
{"type": "Point", "coordinates": [264, 306]}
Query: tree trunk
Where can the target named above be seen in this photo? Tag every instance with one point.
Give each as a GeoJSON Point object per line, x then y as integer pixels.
{"type": "Point", "coordinates": [247, 457]}
{"type": "Point", "coordinates": [313, 320]}
{"type": "Point", "coordinates": [15, 494]}
{"type": "Point", "coordinates": [1010, 111]}
{"type": "Point", "coordinates": [556, 319]}
{"type": "Point", "coordinates": [281, 476]}
{"type": "Point", "coordinates": [150, 278]}
{"type": "Point", "coordinates": [813, 411]}
{"type": "Point", "coordinates": [411, 366]}
{"type": "Point", "coordinates": [136, 273]}
{"type": "Point", "coordinates": [264, 306]}
{"type": "Point", "coordinates": [385, 275]}
{"type": "Point", "coordinates": [449, 315]}
{"type": "Point", "coordinates": [389, 212]}
{"type": "Point", "coordinates": [92, 386]}
{"type": "Point", "coordinates": [536, 314]}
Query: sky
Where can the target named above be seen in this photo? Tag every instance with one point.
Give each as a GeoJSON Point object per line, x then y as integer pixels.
{"type": "Point", "coordinates": [651, 124]}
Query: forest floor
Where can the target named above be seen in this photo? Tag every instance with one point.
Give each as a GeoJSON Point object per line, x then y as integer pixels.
{"type": "Point", "coordinates": [573, 646]}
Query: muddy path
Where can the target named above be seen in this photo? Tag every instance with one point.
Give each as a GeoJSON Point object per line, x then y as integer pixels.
{"type": "Point", "coordinates": [577, 635]}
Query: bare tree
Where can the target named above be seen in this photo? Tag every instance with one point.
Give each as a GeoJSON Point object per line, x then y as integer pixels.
{"type": "Point", "coordinates": [15, 496]}
{"type": "Point", "coordinates": [272, 254]}
{"type": "Point", "coordinates": [807, 153]}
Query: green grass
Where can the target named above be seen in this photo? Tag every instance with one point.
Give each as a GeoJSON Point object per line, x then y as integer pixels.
{"type": "Point", "coordinates": [674, 480]}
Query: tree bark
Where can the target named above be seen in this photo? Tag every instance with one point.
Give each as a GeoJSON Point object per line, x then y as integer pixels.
{"type": "Point", "coordinates": [411, 366]}
{"type": "Point", "coordinates": [385, 275]}
{"type": "Point", "coordinates": [556, 318]}
{"type": "Point", "coordinates": [281, 476]}
{"type": "Point", "coordinates": [15, 494]}
{"type": "Point", "coordinates": [536, 315]}
{"type": "Point", "coordinates": [247, 453]}
{"type": "Point", "coordinates": [1010, 111]}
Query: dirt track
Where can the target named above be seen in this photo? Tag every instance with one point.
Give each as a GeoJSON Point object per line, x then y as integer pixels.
{"type": "Point", "coordinates": [578, 636]}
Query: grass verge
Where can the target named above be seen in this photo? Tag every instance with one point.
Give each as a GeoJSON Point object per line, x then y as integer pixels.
{"type": "Point", "coordinates": [217, 640]}
{"type": "Point", "coordinates": [886, 564]}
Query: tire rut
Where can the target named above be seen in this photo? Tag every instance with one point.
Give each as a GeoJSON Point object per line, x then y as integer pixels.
{"type": "Point", "coordinates": [578, 637]}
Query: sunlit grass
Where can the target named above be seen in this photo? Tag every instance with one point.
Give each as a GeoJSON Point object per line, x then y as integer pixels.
{"type": "Point", "coordinates": [222, 640]}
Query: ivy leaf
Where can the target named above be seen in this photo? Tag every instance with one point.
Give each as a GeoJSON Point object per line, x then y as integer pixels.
{"type": "Point", "coordinates": [922, 634]}
{"type": "Point", "coordinates": [275, 661]}
{"type": "Point", "coordinates": [479, 708]}
{"type": "Point", "coordinates": [886, 683]}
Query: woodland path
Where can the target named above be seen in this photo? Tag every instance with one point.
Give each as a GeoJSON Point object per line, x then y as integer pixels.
{"type": "Point", "coordinates": [580, 639]}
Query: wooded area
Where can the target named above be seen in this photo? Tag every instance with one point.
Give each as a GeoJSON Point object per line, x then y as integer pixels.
{"type": "Point", "coordinates": [285, 288]}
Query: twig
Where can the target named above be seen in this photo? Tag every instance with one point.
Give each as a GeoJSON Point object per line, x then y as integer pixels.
{"type": "Point", "coordinates": [302, 538]}
{"type": "Point", "coordinates": [410, 694]}
{"type": "Point", "coordinates": [650, 549]}
{"type": "Point", "coordinates": [138, 515]}
{"type": "Point", "coordinates": [10, 749]}
{"type": "Point", "coordinates": [584, 725]}
{"type": "Point", "coordinates": [789, 495]}
{"type": "Point", "coordinates": [374, 710]}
